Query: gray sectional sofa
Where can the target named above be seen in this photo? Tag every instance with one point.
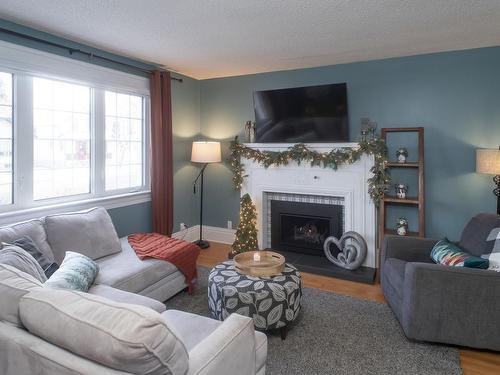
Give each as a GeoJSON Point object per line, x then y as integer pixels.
{"type": "Point", "coordinates": [212, 347]}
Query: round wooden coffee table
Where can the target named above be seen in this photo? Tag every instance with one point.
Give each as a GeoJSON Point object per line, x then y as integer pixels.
{"type": "Point", "coordinates": [272, 301]}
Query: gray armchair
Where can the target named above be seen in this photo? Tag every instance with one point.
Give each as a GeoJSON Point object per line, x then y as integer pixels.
{"type": "Point", "coordinates": [444, 304]}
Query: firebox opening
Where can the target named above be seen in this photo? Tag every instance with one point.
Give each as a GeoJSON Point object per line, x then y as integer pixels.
{"type": "Point", "coordinates": [304, 227]}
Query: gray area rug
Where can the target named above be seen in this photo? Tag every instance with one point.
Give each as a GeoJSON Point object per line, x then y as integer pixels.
{"type": "Point", "coordinates": [340, 335]}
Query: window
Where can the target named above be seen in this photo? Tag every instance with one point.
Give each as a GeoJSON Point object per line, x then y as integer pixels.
{"type": "Point", "coordinates": [61, 139]}
{"type": "Point", "coordinates": [72, 135]}
{"type": "Point", "coordinates": [6, 171]}
{"type": "Point", "coordinates": [124, 141]}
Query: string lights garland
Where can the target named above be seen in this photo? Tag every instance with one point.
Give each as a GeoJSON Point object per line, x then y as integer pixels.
{"type": "Point", "coordinates": [378, 184]}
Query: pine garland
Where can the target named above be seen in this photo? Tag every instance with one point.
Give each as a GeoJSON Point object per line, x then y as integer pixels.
{"type": "Point", "coordinates": [246, 235]}
{"type": "Point", "coordinates": [378, 184]}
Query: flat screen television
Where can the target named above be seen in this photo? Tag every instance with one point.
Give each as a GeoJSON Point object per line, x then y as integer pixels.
{"type": "Point", "coordinates": [302, 114]}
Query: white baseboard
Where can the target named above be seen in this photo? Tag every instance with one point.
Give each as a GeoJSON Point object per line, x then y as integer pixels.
{"type": "Point", "coordinates": [190, 234]}
{"type": "Point", "coordinates": [216, 234]}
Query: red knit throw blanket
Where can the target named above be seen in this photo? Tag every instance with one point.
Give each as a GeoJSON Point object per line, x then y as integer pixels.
{"type": "Point", "coordinates": [180, 253]}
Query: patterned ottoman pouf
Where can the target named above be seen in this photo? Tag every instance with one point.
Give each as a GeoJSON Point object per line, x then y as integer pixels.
{"type": "Point", "coordinates": [273, 302]}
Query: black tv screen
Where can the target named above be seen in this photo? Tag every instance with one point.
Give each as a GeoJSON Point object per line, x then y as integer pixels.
{"type": "Point", "coordinates": [302, 114]}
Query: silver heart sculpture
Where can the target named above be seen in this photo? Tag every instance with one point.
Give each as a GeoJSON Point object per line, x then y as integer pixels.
{"type": "Point", "coordinates": [352, 248]}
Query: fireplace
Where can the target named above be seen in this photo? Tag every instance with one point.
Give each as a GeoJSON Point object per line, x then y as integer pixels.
{"type": "Point", "coordinates": [306, 183]}
{"type": "Point", "coordinates": [303, 227]}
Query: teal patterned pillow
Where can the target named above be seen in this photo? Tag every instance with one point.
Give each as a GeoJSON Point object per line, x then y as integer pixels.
{"type": "Point", "coordinates": [76, 272]}
{"type": "Point", "coordinates": [446, 253]}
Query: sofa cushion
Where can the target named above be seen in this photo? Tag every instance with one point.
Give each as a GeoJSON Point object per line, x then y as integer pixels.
{"type": "Point", "coordinates": [126, 271]}
{"type": "Point", "coordinates": [19, 258]}
{"type": "Point", "coordinates": [77, 272]}
{"type": "Point", "coordinates": [34, 229]}
{"type": "Point", "coordinates": [89, 232]}
{"type": "Point", "coordinates": [121, 296]}
{"type": "Point", "coordinates": [126, 337]}
{"type": "Point", "coordinates": [31, 247]}
{"type": "Point", "coordinates": [478, 235]}
{"type": "Point", "coordinates": [448, 254]}
{"type": "Point", "coordinates": [13, 285]}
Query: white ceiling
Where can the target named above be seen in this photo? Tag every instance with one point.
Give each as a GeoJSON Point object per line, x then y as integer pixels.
{"type": "Point", "coordinates": [216, 38]}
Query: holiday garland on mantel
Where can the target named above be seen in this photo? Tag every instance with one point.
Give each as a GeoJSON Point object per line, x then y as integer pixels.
{"type": "Point", "coordinates": [378, 184]}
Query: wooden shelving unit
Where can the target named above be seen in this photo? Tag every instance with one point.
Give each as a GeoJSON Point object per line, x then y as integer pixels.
{"type": "Point", "coordinates": [417, 202]}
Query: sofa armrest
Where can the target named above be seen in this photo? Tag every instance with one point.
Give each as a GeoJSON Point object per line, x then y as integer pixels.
{"type": "Point", "coordinates": [452, 304]}
{"type": "Point", "coordinates": [230, 349]}
{"type": "Point", "coordinates": [410, 249]}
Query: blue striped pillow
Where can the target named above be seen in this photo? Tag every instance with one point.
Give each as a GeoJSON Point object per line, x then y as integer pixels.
{"type": "Point", "coordinates": [446, 253]}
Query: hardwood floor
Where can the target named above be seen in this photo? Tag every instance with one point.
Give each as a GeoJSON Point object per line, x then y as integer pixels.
{"type": "Point", "coordinates": [473, 362]}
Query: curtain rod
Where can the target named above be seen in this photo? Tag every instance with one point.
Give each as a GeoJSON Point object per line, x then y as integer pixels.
{"type": "Point", "coordinates": [76, 50]}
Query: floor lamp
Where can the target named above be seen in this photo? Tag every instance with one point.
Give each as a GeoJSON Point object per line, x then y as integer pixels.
{"type": "Point", "coordinates": [488, 161]}
{"type": "Point", "coordinates": [204, 153]}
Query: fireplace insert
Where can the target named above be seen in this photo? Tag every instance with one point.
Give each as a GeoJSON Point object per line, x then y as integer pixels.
{"type": "Point", "coordinates": [303, 227]}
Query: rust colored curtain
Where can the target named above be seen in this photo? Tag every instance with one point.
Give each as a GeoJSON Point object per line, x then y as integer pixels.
{"type": "Point", "coordinates": [161, 153]}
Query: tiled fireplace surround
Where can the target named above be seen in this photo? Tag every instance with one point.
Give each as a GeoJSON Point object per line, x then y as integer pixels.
{"type": "Point", "coordinates": [346, 186]}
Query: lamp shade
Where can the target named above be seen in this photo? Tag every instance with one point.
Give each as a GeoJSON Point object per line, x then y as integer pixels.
{"type": "Point", "coordinates": [488, 161]}
{"type": "Point", "coordinates": [205, 152]}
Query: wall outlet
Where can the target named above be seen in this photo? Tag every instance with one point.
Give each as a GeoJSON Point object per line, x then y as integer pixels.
{"type": "Point", "coordinates": [183, 226]}
{"type": "Point", "coordinates": [229, 224]}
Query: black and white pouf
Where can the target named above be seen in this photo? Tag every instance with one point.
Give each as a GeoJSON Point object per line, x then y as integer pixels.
{"type": "Point", "coordinates": [273, 302]}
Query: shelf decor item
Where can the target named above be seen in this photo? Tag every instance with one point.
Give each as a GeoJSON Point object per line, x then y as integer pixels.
{"type": "Point", "coordinates": [488, 161]}
{"type": "Point", "coordinates": [253, 132]}
{"type": "Point", "coordinates": [372, 128]}
{"type": "Point", "coordinates": [246, 234]}
{"type": "Point", "coordinates": [259, 263]}
{"type": "Point", "coordinates": [378, 184]}
{"type": "Point", "coordinates": [352, 252]}
{"type": "Point", "coordinates": [402, 155]}
{"type": "Point", "coordinates": [205, 153]}
{"type": "Point", "coordinates": [248, 131]}
{"type": "Point", "coordinates": [402, 226]}
{"type": "Point", "coordinates": [364, 130]}
{"type": "Point", "coordinates": [401, 190]}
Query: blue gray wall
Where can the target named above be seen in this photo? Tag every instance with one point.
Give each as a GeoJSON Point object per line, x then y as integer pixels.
{"type": "Point", "coordinates": [186, 128]}
{"type": "Point", "coordinates": [131, 219]}
{"type": "Point", "coordinates": [454, 95]}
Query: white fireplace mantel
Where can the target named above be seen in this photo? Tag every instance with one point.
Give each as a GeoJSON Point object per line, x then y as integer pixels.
{"type": "Point", "coordinates": [348, 182]}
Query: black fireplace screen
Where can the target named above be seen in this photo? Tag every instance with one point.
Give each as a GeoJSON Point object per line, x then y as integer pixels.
{"type": "Point", "coordinates": [303, 227]}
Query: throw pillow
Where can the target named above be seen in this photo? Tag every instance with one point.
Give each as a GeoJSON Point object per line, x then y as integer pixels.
{"type": "Point", "coordinates": [30, 246]}
{"type": "Point", "coordinates": [130, 338]}
{"type": "Point", "coordinates": [34, 229]}
{"type": "Point", "coordinates": [76, 272]}
{"type": "Point", "coordinates": [446, 253]}
{"type": "Point", "coordinates": [17, 257]}
{"type": "Point", "coordinates": [13, 285]}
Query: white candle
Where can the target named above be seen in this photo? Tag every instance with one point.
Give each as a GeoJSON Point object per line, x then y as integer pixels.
{"type": "Point", "coordinates": [256, 257]}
